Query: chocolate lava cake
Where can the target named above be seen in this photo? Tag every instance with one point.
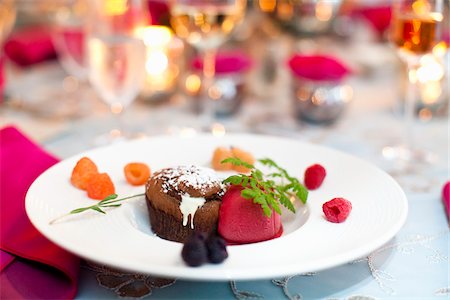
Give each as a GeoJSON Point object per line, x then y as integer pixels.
{"type": "Point", "coordinates": [183, 199]}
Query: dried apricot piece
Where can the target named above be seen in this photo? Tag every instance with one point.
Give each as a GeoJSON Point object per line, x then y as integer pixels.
{"type": "Point", "coordinates": [219, 155]}
{"type": "Point", "coordinates": [136, 173]}
{"type": "Point", "coordinates": [100, 186]}
{"type": "Point", "coordinates": [244, 156]}
{"type": "Point", "coordinates": [82, 172]}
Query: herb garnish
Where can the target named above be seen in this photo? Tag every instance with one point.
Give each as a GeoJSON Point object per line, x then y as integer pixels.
{"type": "Point", "coordinates": [263, 189]}
{"type": "Point", "coordinates": [109, 201]}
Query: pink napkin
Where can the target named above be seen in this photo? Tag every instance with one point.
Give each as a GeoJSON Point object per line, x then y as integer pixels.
{"type": "Point", "coordinates": [379, 17]}
{"type": "Point", "coordinates": [318, 67]}
{"type": "Point", "coordinates": [158, 11]}
{"type": "Point", "coordinates": [227, 62]}
{"type": "Point", "coordinates": [446, 199]}
{"type": "Point", "coordinates": [31, 266]}
{"type": "Point", "coordinates": [29, 46]}
{"type": "Point", "coordinates": [2, 77]}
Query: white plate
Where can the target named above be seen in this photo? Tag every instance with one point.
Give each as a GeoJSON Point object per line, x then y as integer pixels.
{"type": "Point", "coordinates": [123, 239]}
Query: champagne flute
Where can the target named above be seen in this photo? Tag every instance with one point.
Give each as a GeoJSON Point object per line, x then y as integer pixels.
{"type": "Point", "coordinates": [116, 56]}
{"type": "Point", "coordinates": [206, 24]}
{"type": "Point", "coordinates": [416, 28]}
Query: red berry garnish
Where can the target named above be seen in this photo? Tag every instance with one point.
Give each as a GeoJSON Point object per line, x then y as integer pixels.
{"type": "Point", "coordinates": [337, 210]}
{"type": "Point", "coordinates": [314, 176]}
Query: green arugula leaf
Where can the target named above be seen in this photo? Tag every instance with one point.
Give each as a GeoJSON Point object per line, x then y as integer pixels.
{"type": "Point", "coordinates": [264, 190]}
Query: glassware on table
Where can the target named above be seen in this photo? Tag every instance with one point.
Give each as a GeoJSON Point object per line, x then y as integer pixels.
{"type": "Point", "coordinates": [68, 37]}
{"type": "Point", "coordinates": [416, 28]}
{"type": "Point", "coordinates": [7, 18]}
{"type": "Point", "coordinates": [116, 55]}
{"type": "Point", "coordinates": [206, 24]}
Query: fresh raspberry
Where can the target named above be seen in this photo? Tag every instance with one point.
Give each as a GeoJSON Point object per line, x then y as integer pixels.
{"type": "Point", "coordinates": [337, 210]}
{"type": "Point", "coordinates": [314, 176]}
{"type": "Point", "coordinates": [100, 186]}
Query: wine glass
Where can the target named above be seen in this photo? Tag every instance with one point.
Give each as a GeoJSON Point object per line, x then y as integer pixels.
{"type": "Point", "coordinates": [68, 37]}
{"type": "Point", "coordinates": [116, 55]}
{"type": "Point", "coordinates": [7, 18]}
{"type": "Point", "coordinates": [416, 28]}
{"type": "Point", "coordinates": [206, 24]}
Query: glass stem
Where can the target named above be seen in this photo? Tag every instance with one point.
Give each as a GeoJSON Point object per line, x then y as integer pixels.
{"type": "Point", "coordinates": [209, 70]}
{"type": "Point", "coordinates": [409, 107]}
{"type": "Point", "coordinates": [118, 129]}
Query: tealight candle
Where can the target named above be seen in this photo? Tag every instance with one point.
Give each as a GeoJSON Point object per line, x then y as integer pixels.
{"type": "Point", "coordinates": [228, 88]}
{"type": "Point", "coordinates": [161, 65]}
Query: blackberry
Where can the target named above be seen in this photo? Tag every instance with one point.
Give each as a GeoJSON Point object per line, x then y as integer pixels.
{"type": "Point", "coordinates": [217, 249]}
{"type": "Point", "coordinates": [194, 251]}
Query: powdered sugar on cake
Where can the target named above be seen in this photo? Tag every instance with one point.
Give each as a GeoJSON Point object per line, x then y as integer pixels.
{"type": "Point", "coordinates": [194, 177]}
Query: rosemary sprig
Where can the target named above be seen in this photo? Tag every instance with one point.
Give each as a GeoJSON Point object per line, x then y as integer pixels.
{"type": "Point", "coordinates": [109, 201]}
{"type": "Point", "coordinates": [263, 189]}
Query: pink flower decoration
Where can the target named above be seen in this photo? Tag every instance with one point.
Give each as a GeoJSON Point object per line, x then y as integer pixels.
{"type": "Point", "coordinates": [318, 67]}
{"type": "Point", "coordinates": [227, 62]}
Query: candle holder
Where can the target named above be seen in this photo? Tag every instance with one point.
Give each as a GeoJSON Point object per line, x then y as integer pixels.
{"type": "Point", "coordinates": [320, 94]}
{"type": "Point", "coordinates": [228, 87]}
{"type": "Point", "coordinates": [164, 59]}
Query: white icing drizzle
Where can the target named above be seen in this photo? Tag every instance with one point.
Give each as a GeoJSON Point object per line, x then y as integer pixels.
{"type": "Point", "coordinates": [189, 206]}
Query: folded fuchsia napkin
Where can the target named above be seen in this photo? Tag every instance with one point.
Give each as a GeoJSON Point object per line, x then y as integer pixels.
{"type": "Point", "coordinates": [29, 46]}
{"type": "Point", "coordinates": [227, 62]}
{"type": "Point", "coordinates": [318, 67]}
{"type": "Point", "coordinates": [379, 17]}
{"type": "Point", "coordinates": [32, 267]}
{"type": "Point", "coordinates": [2, 77]}
{"type": "Point", "coordinates": [159, 12]}
{"type": "Point", "coordinates": [446, 199]}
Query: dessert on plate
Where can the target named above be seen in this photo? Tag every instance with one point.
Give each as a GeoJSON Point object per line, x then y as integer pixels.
{"type": "Point", "coordinates": [183, 199]}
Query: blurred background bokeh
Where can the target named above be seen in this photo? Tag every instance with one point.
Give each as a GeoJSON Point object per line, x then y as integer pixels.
{"type": "Point", "coordinates": [46, 47]}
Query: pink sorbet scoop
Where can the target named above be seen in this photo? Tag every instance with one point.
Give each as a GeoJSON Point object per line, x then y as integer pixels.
{"type": "Point", "coordinates": [241, 221]}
